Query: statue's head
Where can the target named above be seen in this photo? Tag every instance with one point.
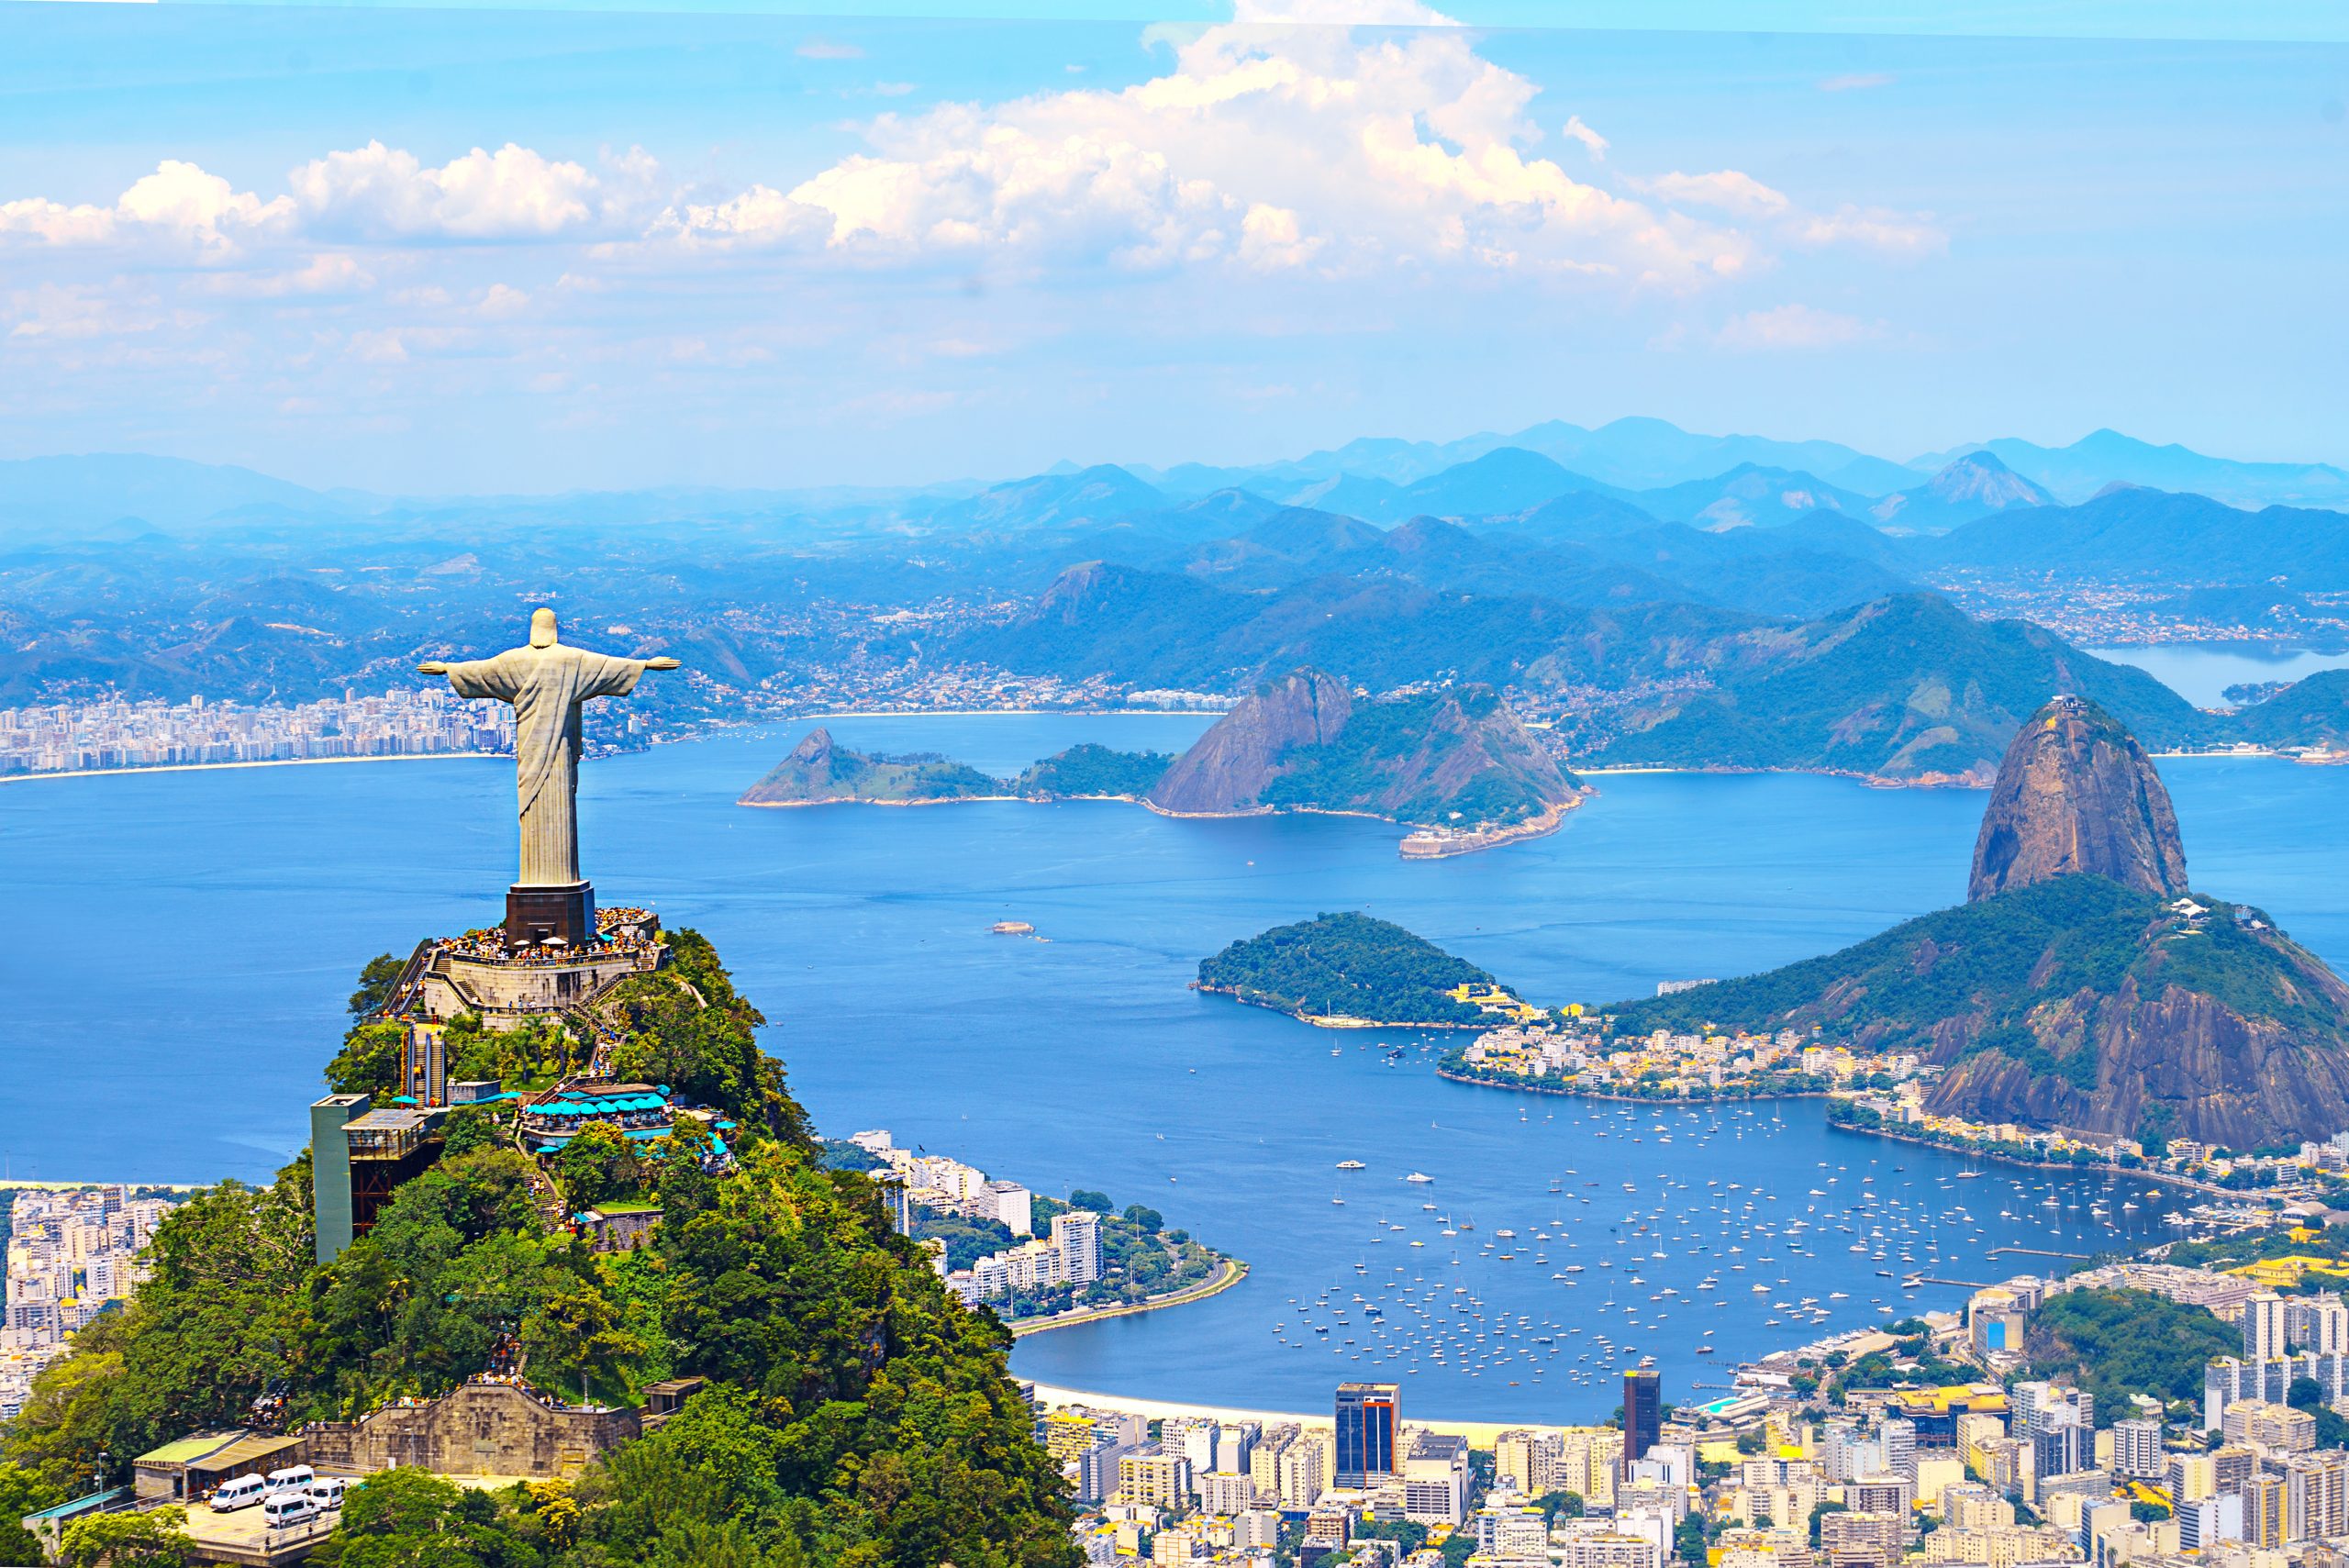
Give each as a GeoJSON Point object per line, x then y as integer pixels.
{"type": "Point", "coordinates": [542, 628]}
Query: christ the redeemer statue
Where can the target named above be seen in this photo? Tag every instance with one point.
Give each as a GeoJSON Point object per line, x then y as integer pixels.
{"type": "Point", "coordinates": [547, 683]}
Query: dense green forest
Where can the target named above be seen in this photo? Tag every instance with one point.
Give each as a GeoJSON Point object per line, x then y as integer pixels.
{"type": "Point", "coordinates": [1350, 965]}
{"type": "Point", "coordinates": [856, 1414]}
{"type": "Point", "coordinates": [1094, 770]}
{"type": "Point", "coordinates": [2001, 958]}
{"type": "Point", "coordinates": [2119, 1342]}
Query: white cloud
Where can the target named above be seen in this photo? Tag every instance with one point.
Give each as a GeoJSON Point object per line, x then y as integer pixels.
{"type": "Point", "coordinates": [1274, 147]}
{"type": "Point", "coordinates": [1856, 82]}
{"type": "Point", "coordinates": [63, 311]}
{"type": "Point", "coordinates": [501, 300]}
{"type": "Point", "coordinates": [1331, 138]}
{"type": "Point", "coordinates": [1873, 229]}
{"type": "Point", "coordinates": [1339, 14]}
{"type": "Point", "coordinates": [328, 273]}
{"type": "Point", "coordinates": [825, 49]}
{"type": "Point", "coordinates": [380, 193]}
{"type": "Point", "coordinates": [1793, 327]}
{"type": "Point", "coordinates": [1269, 239]}
{"type": "Point", "coordinates": [179, 202]}
{"type": "Point", "coordinates": [1724, 190]}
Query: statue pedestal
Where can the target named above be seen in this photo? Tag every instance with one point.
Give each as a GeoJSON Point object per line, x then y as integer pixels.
{"type": "Point", "coordinates": [534, 916]}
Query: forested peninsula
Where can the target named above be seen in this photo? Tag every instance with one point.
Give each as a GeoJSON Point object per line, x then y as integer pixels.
{"type": "Point", "coordinates": [1348, 970]}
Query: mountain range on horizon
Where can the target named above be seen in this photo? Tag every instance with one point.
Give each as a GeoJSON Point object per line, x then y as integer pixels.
{"type": "Point", "coordinates": [1673, 474]}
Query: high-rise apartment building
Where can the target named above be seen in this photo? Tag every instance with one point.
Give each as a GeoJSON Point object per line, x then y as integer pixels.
{"type": "Point", "coordinates": [2137, 1449]}
{"type": "Point", "coordinates": [1643, 1413]}
{"type": "Point", "coordinates": [1369, 1433]}
{"type": "Point", "coordinates": [2265, 1335]}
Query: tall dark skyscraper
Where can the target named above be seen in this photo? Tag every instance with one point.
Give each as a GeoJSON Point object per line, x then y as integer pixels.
{"type": "Point", "coordinates": [1643, 1415]}
{"type": "Point", "coordinates": [1369, 1421]}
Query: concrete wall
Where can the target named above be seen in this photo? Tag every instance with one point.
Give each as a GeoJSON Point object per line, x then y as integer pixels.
{"type": "Point", "coordinates": [480, 1428]}
{"type": "Point", "coordinates": [504, 995]}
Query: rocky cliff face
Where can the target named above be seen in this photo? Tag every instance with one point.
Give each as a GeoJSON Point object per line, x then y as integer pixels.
{"type": "Point", "coordinates": [2077, 794]}
{"type": "Point", "coordinates": [1454, 758]}
{"type": "Point", "coordinates": [2080, 986]}
{"type": "Point", "coordinates": [811, 771]}
{"type": "Point", "coordinates": [1229, 768]}
{"type": "Point", "coordinates": [2169, 1056]}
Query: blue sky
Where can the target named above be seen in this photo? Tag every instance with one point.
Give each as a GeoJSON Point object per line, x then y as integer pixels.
{"type": "Point", "coordinates": [474, 249]}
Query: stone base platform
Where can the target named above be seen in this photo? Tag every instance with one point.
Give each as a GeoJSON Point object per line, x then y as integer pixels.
{"type": "Point", "coordinates": [507, 986]}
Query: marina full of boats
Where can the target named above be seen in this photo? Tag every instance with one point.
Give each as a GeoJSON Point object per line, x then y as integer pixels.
{"type": "Point", "coordinates": [1507, 1257]}
{"type": "Point", "coordinates": [1650, 1247]}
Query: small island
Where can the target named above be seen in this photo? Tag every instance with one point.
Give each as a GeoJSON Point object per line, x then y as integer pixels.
{"type": "Point", "coordinates": [1451, 764]}
{"type": "Point", "coordinates": [1352, 971]}
{"type": "Point", "coordinates": [822, 772]}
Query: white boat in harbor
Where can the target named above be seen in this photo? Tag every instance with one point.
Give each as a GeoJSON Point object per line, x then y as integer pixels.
{"type": "Point", "coordinates": [1352, 1166]}
{"type": "Point", "coordinates": [1419, 1176]}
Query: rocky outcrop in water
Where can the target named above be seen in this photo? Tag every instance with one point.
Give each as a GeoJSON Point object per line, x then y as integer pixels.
{"type": "Point", "coordinates": [2074, 795]}
{"type": "Point", "coordinates": [1455, 759]}
{"type": "Point", "coordinates": [819, 771]}
{"type": "Point", "coordinates": [1228, 769]}
{"type": "Point", "coordinates": [2081, 986]}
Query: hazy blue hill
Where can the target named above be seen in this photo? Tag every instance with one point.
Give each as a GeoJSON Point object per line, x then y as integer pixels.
{"type": "Point", "coordinates": [2308, 712]}
{"type": "Point", "coordinates": [1974, 485]}
{"type": "Point", "coordinates": [1640, 454]}
{"type": "Point", "coordinates": [1150, 628]}
{"type": "Point", "coordinates": [1630, 454]}
{"type": "Point", "coordinates": [1509, 479]}
{"type": "Point", "coordinates": [1904, 687]}
{"type": "Point", "coordinates": [1835, 533]}
{"type": "Point", "coordinates": [1104, 493]}
{"type": "Point", "coordinates": [1359, 496]}
{"type": "Point", "coordinates": [2088, 465]}
{"type": "Point", "coordinates": [1749, 496]}
{"type": "Point", "coordinates": [1166, 629]}
{"type": "Point", "coordinates": [1753, 570]}
{"type": "Point", "coordinates": [2154, 536]}
{"type": "Point", "coordinates": [1576, 518]}
{"type": "Point", "coordinates": [1302, 533]}
{"type": "Point", "coordinates": [43, 493]}
{"type": "Point", "coordinates": [1299, 545]}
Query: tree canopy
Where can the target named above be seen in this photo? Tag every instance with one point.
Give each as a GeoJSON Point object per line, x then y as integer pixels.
{"type": "Point", "coordinates": [856, 1413]}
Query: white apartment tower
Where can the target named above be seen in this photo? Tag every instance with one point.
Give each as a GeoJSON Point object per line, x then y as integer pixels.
{"type": "Point", "coordinates": [2265, 1335]}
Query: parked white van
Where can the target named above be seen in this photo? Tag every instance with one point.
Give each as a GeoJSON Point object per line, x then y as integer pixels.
{"type": "Point", "coordinates": [287, 1509]}
{"type": "Point", "coordinates": [293, 1478]}
{"type": "Point", "coordinates": [326, 1491]}
{"type": "Point", "coordinates": [241, 1493]}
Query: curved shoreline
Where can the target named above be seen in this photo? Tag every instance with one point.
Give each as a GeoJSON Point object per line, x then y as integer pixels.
{"type": "Point", "coordinates": [1451, 1076]}
{"type": "Point", "coordinates": [1963, 1151]}
{"type": "Point", "coordinates": [1327, 1020]}
{"type": "Point", "coordinates": [2096, 1167]}
{"type": "Point", "coordinates": [272, 762]}
{"type": "Point", "coordinates": [1230, 1273]}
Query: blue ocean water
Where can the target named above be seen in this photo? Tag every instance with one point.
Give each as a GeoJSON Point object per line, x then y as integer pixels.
{"type": "Point", "coordinates": [183, 942]}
